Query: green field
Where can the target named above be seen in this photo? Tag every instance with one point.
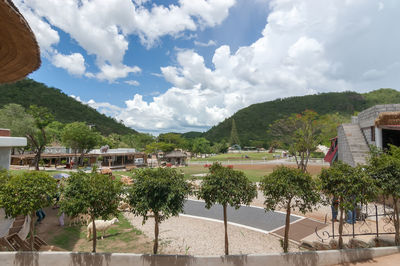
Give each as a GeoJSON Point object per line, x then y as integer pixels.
{"type": "Point", "coordinates": [238, 156]}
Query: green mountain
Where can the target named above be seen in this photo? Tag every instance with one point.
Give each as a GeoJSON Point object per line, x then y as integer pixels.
{"type": "Point", "coordinates": [64, 108]}
{"type": "Point", "coordinates": [252, 122]}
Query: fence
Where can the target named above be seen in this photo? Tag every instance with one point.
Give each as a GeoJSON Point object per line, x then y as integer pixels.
{"type": "Point", "coordinates": [380, 214]}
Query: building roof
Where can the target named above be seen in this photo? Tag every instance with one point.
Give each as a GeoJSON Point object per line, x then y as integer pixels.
{"type": "Point", "coordinates": [388, 119]}
{"type": "Point", "coordinates": [175, 154]}
{"type": "Point", "coordinates": [19, 50]}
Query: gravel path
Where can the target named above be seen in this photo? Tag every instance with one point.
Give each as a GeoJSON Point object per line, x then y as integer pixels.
{"type": "Point", "coordinates": [186, 235]}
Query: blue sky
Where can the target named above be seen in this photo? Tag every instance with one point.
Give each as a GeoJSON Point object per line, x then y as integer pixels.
{"type": "Point", "coordinates": [184, 65]}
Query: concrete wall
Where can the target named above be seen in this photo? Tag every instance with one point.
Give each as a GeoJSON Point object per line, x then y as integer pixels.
{"type": "Point", "coordinates": [322, 258]}
{"type": "Point", "coordinates": [367, 117]}
{"type": "Point", "coordinates": [5, 157]}
{"type": "Point", "coordinates": [344, 152]}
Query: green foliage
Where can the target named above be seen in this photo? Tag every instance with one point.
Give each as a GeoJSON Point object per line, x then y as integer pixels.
{"type": "Point", "coordinates": [91, 193]}
{"type": "Point", "coordinates": [226, 186]}
{"type": "Point", "coordinates": [300, 133]}
{"type": "Point", "coordinates": [138, 141]}
{"type": "Point", "coordinates": [160, 190]}
{"type": "Point", "coordinates": [65, 109]}
{"type": "Point", "coordinates": [289, 188]}
{"type": "Point", "coordinates": [27, 192]}
{"type": "Point", "coordinates": [384, 168]}
{"type": "Point", "coordinates": [201, 146]}
{"type": "Point", "coordinates": [350, 186]}
{"type": "Point", "coordinates": [287, 185]}
{"type": "Point", "coordinates": [234, 139]}
{"type": "Point", "coordinates": [14, 117]}
{"type": "Point", "coordinates": [80, 137]}
{"type": "Point", "coordinates": [159, 146]}
{"type": "Point", "coordinates": [253, 120]}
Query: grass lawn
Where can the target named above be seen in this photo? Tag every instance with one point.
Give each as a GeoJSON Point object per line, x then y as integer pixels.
{"type": "Point", "coordinates": [238, 156]}
{"type": "Point", "coordinates": [120, 237]}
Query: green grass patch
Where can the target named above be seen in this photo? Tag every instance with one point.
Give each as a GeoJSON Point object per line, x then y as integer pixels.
{"type": "Point", "coordinates": [238, 157]}
{"type": "Point", "coordinates": [121, 237]}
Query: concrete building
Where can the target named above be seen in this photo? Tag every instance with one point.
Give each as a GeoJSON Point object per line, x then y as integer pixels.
{"type": "Point", "coordinates": [378, 126]}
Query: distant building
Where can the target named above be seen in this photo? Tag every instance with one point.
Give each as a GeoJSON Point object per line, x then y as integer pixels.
{"type": "Point", "coordinates": [176, 158]}
{"type": "Point", "coordinates": [378, 126]}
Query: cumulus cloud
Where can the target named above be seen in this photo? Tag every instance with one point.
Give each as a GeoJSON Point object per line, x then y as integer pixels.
{"type": "Point", "coordinates": [73, 63]}
{"type": "Point", "coordinates": [102, 27]}
{"type": "Point", "coordinates": [306, 47]}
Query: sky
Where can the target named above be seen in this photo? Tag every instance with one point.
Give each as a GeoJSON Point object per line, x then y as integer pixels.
{"type": "Point", "coordinates": [186, 65]}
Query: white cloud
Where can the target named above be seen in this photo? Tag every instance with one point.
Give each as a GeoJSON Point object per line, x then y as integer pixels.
{"type": "Point", "coordinates": [205, 44]}
{"type": "Point", "coordinates": [112, 72]}
{"type": "Point", "coordinates": [73, 63]}
{"type": "Point", "coordinates": [132, 82]}
{"type": "Point", "coordinates": [102, 27]}
{"type": "Point", "coordinates": [306, 47]}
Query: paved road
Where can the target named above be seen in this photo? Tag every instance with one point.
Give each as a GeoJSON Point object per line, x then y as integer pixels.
{"type": "Point", "coordinates": [249, 216]}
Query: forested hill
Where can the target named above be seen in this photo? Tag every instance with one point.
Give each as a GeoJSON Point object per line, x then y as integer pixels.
{"type": "Point", "coordinates": [65, 109]}
{"type": "Point", "coordinates": [252, 122]}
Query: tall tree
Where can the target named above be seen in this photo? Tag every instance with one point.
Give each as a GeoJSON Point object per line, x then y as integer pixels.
{"type": "Point", "coordinates": [138, 141]}
{"type": "Point", "coordinates": [226, 186]}
{"type": "Point", "coordinates": [234, 134]}
{"type": "Point", "coordinates": [80, 137]}
{"type": "Point", "coordinates": [301, 133]}
{"type": "Point", "coordinates": [350, 186]}
{"type": "Point", "coordinates": [201, 146]}
{"type": "Point", "coordinates": [289, 188]}
{"type": "Point", "coordinates": [384, 168]}
{"type": "Point", "coordinates": [25, 193]}
{"type": "Point", "coordinates": [37, 136]}
{"type": "Point", "coordinates": [91, 193]}
{"type": "Point", "coordinates": [159, 191]}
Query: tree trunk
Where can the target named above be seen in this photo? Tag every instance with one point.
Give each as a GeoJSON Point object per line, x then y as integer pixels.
{"type": "Point", "coordinates": [94, 234]}
{"type": "Point", "coordinates": [396, 222]}
{"type": "Point", "coordinates": [32, 230]}
{"type": "Point", "coordinates": [226, 231]}
{"type": "Point", "coordinates": [341, 227]}
{"type": "Point", "coordinates": [156, 232]}
{"type": "Point", "coordinates": [287, 225]}
{"type": "Point", "coordinates": [81, 158]}
{"type": "Point", "coordinates": [37, 159]}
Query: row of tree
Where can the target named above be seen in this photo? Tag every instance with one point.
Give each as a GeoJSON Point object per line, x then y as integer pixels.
{"type": "Point", "coordinates": [37, 124]}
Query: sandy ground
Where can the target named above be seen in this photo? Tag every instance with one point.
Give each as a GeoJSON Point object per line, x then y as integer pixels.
{"type": "Point", "coordinates": [185, 235]}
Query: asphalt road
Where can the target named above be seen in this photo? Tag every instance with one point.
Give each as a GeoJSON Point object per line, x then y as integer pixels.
{"type": "Point", "coordinates": [245, 215]}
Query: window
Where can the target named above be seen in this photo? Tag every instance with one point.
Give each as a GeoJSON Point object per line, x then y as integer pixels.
{"type": "Point", "coordinates": [372, 133]}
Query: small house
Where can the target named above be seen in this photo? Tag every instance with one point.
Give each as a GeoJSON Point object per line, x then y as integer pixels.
{"type": "Point", "coordinates": [176, 158]}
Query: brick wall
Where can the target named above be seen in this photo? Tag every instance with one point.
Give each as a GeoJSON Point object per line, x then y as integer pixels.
{"type": "Point", "coordinates": [4, 132]}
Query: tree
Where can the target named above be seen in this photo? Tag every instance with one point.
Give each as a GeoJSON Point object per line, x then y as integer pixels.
{"type": "Point", "coordinates": [171, 138]}
{"type": "Point", "coordinates": [234, 134]}
{"type": "Point", "coordinates": [300, 132]}
{"type": "Point", "coordinates": [37, 136]}
{"type": "Point", "coordinates": [91, 193]}
{"type": "Point", "coordinates": [384, 168]}
{"type": "Point", "coordinates": [349, 185]}
{"type": "Point", "coordinates": [80, 137]}
{"type": "Point", "coordinates": [15, 118]}
{"type": "Point", "coordinates": [26, 193]}
{"type": "Point", "coordinates": [226, 186]}
{"type": "Point", "coordinates": [289, 188]}
{"type": "Point", "coordinates": [54, 131]}
{"type": "Point", "coordinates": [137, 141]}
{"type": "Point", "coordinates": [201, 145]}
{"type": "Point", "coordinates": [160, 191]}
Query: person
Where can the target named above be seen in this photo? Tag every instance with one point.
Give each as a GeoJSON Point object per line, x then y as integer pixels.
{"type": "Point", "coordinates": [61, 219]}
{"type": "Point", "coordinates": [40, 214]}
{"type": "Point", "coordinates": [335, 208]}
